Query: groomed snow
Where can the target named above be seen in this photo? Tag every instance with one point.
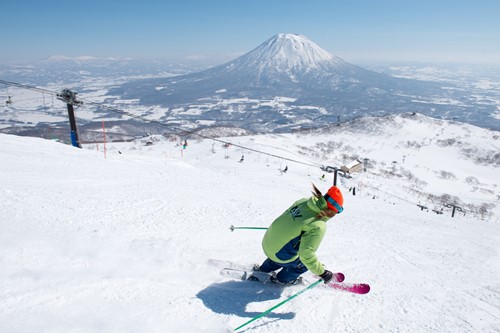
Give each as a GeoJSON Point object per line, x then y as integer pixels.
{"type": "Point", "coordinates": [122, 244]}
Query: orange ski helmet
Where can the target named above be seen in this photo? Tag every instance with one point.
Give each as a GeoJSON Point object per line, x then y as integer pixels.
{"type": "Point", "coordinates": [334, 199]}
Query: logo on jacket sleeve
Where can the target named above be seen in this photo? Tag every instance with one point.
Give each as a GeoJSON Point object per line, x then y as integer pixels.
{"type": "Point", "coordinates": [295, 212]}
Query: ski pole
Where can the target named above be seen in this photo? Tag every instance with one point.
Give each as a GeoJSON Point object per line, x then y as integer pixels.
{"type": "Point", "coordinates": [279, 304]}
{"type": "Point", "coordinates": [232, 228]}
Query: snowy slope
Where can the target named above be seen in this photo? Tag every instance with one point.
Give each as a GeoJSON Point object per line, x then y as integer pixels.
{"type": "Point", "coordinates": [121, 244]}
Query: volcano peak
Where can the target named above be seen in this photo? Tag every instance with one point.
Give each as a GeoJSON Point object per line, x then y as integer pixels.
{"type": "Point", "coordinates": [287, 51]}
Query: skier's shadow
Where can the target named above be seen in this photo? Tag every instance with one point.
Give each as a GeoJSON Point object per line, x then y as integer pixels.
{"type": "Point", "coordinates": [232, 297]}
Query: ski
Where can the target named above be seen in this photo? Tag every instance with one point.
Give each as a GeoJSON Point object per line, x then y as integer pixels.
{"type": "Point", "coordinates": [356, 288]}
{"type": "Point", "coordinates": [263, 277]}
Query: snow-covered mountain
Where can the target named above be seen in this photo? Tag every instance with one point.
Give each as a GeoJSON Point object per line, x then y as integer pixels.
{"type": "Point", "coordinates": [290, 53]}
{"type": "Point", "coordinates": [289, 82]}
{"type": "Point", "coordinates": [122, 244]}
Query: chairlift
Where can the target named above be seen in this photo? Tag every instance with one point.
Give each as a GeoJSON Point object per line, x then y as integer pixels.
{"type": "Point", "coordinates": [9, 97]}
{"type": "Point", "coordinates": [422, 207]}
{"type": "Point", "coordinates": [438, 211]}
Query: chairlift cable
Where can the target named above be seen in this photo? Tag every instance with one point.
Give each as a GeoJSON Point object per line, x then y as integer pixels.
{"type": "Point", "coordinates": [26, 86]}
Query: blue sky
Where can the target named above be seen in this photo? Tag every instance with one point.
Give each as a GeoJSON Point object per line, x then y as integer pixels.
{"type": "Point", "coordinates": [219, 30]}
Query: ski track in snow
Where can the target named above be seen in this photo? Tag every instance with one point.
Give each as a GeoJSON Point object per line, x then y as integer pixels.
{"type": "Point", "coordinates": [122, 245]}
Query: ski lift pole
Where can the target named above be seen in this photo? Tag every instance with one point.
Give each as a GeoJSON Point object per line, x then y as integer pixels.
{"type": "Point", "coordinates": [335, 178]}
{"type": "Point", "coordinates": [232, 228]}
{"type": "Point", "coordinates": [455, 207]}
{"type": "Point", "coordinates": [279, 304]}
{"type": "Point", "coordinates": [74, 133]}
{"type": "Point", "coordinates": [69, 97]}
{"type": "Point", "coordinates": [335, 171]}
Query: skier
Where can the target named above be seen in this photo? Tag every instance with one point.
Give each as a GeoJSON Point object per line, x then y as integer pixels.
{"type": "Point", "coordinates": [291, 241]}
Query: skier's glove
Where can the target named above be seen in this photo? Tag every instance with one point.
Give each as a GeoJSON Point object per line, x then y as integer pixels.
{"type": "Point", "coordinates": [327, 276]}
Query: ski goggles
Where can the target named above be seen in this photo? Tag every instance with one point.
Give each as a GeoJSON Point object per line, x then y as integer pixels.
{"type": "Point", "coordinates": [334, 204]}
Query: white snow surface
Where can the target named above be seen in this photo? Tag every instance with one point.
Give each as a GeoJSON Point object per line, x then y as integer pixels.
{"type": "Point", "coordinates": [122, 244]}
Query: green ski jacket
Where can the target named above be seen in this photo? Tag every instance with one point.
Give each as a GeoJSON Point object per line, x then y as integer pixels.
{"type": "Point", "coordinates": [297, 233]}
